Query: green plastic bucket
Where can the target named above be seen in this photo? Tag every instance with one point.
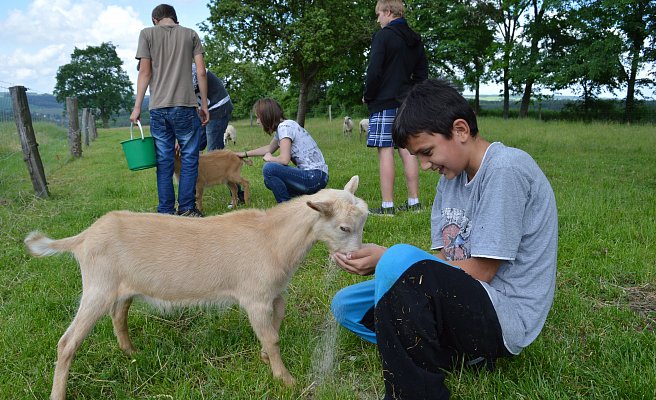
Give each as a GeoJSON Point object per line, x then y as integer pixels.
{"type": "Point", "coordinates": [139, 152]}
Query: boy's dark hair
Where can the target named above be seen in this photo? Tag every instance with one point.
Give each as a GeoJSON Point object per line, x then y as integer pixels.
{"type": "Point", "coordinates": [270, 114]}
{"type": "Point", "coordinates": [431, 107]}
{"type": "Point", "coordinates": [164, 11]}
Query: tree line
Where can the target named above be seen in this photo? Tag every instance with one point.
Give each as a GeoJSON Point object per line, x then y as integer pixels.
{"type": "Point", "coordinates": [317, 50]}
{"type": "Point", "coordinates": [310, 54]}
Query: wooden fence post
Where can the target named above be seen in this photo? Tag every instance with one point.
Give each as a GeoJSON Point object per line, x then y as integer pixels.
{"type": "Point", "coordinates": [74, 140]}
{"type": "Point", "coordinates": [30, 147]}
{"type": "Point", "coordinates": [330, 112]}
{"type": "Point", "coordinates": [85, 125]}
{"type": "Point", "coordinates": [93, 131]}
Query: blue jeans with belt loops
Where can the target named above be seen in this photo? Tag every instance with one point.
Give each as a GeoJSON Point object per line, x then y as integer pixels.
{"type": "Point", "coordinates": [166, 126]}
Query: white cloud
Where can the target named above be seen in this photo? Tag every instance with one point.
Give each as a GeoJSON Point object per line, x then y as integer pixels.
{"type": "Point", "coordinates": [46, 33]}
{"type": "Point", "coordinates": [34, 69]}
{"type": "Point", "coordinates": [51, 21]}
{"type": "Point", "coordinates": [122, 25]}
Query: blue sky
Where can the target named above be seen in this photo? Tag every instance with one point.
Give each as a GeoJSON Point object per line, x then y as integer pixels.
{"type": "Point", "coordinates": [38, 36]}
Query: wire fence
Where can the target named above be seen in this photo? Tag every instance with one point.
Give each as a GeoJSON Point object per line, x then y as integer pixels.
{"type": "Point", "coordinates": [43, 107]}
{"type": "Point", "coordinates": [10, 147]}
{"type": "Point", "coordinates": [50, 125]}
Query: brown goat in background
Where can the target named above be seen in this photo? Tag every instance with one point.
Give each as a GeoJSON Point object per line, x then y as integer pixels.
{"type": "Point", "coordinates": [218, 167]}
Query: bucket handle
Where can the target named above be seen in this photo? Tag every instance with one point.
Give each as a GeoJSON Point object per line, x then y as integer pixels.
{"type": "Point", "coordinates": [140, 128]}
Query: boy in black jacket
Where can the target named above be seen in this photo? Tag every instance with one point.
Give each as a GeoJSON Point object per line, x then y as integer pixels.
{"type": "Point", "coordinates": [397, 62]}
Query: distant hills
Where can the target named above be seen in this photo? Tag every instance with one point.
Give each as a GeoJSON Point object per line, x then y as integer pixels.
{"type": "Point", "coordinates": [44, 107]}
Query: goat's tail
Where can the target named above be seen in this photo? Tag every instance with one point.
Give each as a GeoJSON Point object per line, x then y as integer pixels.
{"type": "Point", "coordinates": [247, 161]}
{"type": "Point", "coordinates": [40, 245]}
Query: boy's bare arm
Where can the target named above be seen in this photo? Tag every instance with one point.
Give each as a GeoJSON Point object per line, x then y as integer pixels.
{"type": "Point", "coordinates": [483, 269]}
{"type": "Point", "coordinates": [143, 80]}
{"type": "Point", "coordinates": [201, 75]}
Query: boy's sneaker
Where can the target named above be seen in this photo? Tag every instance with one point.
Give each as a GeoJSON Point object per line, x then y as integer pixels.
{"type": "Point", "coordinates": [413, 208]}
{"type": "Point", "coordinates": [481, 363]}
{"type": "Point", "coordinates": [240, 202]}
{"type": "Point", "coordinates": [382, 211]}
{"type": "Point", "coordinates": [193, 212]}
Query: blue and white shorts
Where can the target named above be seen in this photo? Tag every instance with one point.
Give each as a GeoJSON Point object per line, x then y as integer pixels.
{"type": "Point", "coordinates": [380, 128]}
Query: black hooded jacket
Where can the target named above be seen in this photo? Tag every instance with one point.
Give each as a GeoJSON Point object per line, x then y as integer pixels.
{"type": "Point", "coordinates": [397, 62]}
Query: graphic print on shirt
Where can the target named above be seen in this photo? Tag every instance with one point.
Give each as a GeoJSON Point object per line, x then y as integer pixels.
{"type": "Point", "coordinates": [456, 228]}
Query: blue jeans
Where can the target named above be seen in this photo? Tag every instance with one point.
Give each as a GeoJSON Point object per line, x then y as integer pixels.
{"type": "Point", "coordinates": [166, 126]}
{"type": "Point", "coordinates": [215, 130]}
{"type": "Point", "coordinates": [286, 182]}
{"type": "Point", "coordinates": [211, 135]}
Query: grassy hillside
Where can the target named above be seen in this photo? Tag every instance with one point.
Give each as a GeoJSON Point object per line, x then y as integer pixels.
{"type": "Point", "coordinates": [598, 342]}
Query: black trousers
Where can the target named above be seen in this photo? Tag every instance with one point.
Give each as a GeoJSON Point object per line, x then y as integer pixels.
{"type": "Point", "coordinates": [431, 317]}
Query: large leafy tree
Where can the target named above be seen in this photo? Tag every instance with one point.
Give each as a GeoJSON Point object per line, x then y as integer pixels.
{"type": "Point", "coordinates": [245, 81]}
{"type": "Point", "coordinates": [299, 41]}
{"type": "Point", "coordinates": [96, 77]}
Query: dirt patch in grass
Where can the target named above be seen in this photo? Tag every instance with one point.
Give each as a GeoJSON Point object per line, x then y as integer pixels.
{"type": "Point", "coordinates": [642, 300]}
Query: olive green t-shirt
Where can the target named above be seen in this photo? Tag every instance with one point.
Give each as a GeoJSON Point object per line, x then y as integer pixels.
{"type": "Point", "coordinates": [171, 50]}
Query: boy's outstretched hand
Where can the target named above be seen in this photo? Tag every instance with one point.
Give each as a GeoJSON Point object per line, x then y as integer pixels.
{"type": "Point", "coordinates": [362, 261]}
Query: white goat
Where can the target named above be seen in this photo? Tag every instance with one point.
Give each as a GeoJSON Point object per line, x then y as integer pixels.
{"type": "Point", "coordinates": [364, 127]}
{"type": "Point", "coordinates": [347, 130]}
{"type": "Point", "coordinates": [230, 135]}
{"type": "Point", "coordinates": [248, 258]}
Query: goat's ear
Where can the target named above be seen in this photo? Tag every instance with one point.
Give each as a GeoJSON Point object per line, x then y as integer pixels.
{"type": "Point", "coordinates": [352, 185]}
{"type": "Point", "coordinates": [325, 208]}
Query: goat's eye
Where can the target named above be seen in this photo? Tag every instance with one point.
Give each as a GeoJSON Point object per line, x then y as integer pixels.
{"type": "Point", "coordinates": [345, 229]}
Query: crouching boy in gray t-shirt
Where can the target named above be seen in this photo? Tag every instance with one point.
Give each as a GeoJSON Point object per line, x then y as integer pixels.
{"type": "Point", "coordinates": [488, 291]}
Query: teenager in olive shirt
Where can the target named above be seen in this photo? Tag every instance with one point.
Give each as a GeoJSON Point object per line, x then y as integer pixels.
{"type": "Point", "coordinates": [165, 53]}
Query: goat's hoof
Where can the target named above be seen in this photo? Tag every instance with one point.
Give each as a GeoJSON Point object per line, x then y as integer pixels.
{"type": "Point", "coordinates": [264, 357]}
{"type": "Point", "coordinates": [288, 379]}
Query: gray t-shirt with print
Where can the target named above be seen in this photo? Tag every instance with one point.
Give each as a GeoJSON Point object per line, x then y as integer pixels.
{"type": "Point", "coordinates": [507, 212]}
{"type": "Point", "coordinates": [304, 153]}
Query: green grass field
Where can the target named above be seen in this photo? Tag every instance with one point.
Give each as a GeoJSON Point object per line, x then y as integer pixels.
{"type": "Point", "coordinates": [598, 342]}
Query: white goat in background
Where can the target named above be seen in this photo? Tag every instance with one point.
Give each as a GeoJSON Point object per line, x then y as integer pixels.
{"type": "Point", "coordinates": [348, 126]}
{"type": "Point", "coordinates": [364, 127]}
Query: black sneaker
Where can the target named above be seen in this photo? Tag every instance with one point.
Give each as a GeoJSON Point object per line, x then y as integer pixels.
{"type": "Point", "coordinates": [382, 211]}
{"type": "Point", "coordinates": [481, 363]}
{"type": "Point", "coordinates": [476, 364]}
{"type": "Point", "coordinates": [192, 212]}
{"type": "Point", "coordinates": [412, 208]}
